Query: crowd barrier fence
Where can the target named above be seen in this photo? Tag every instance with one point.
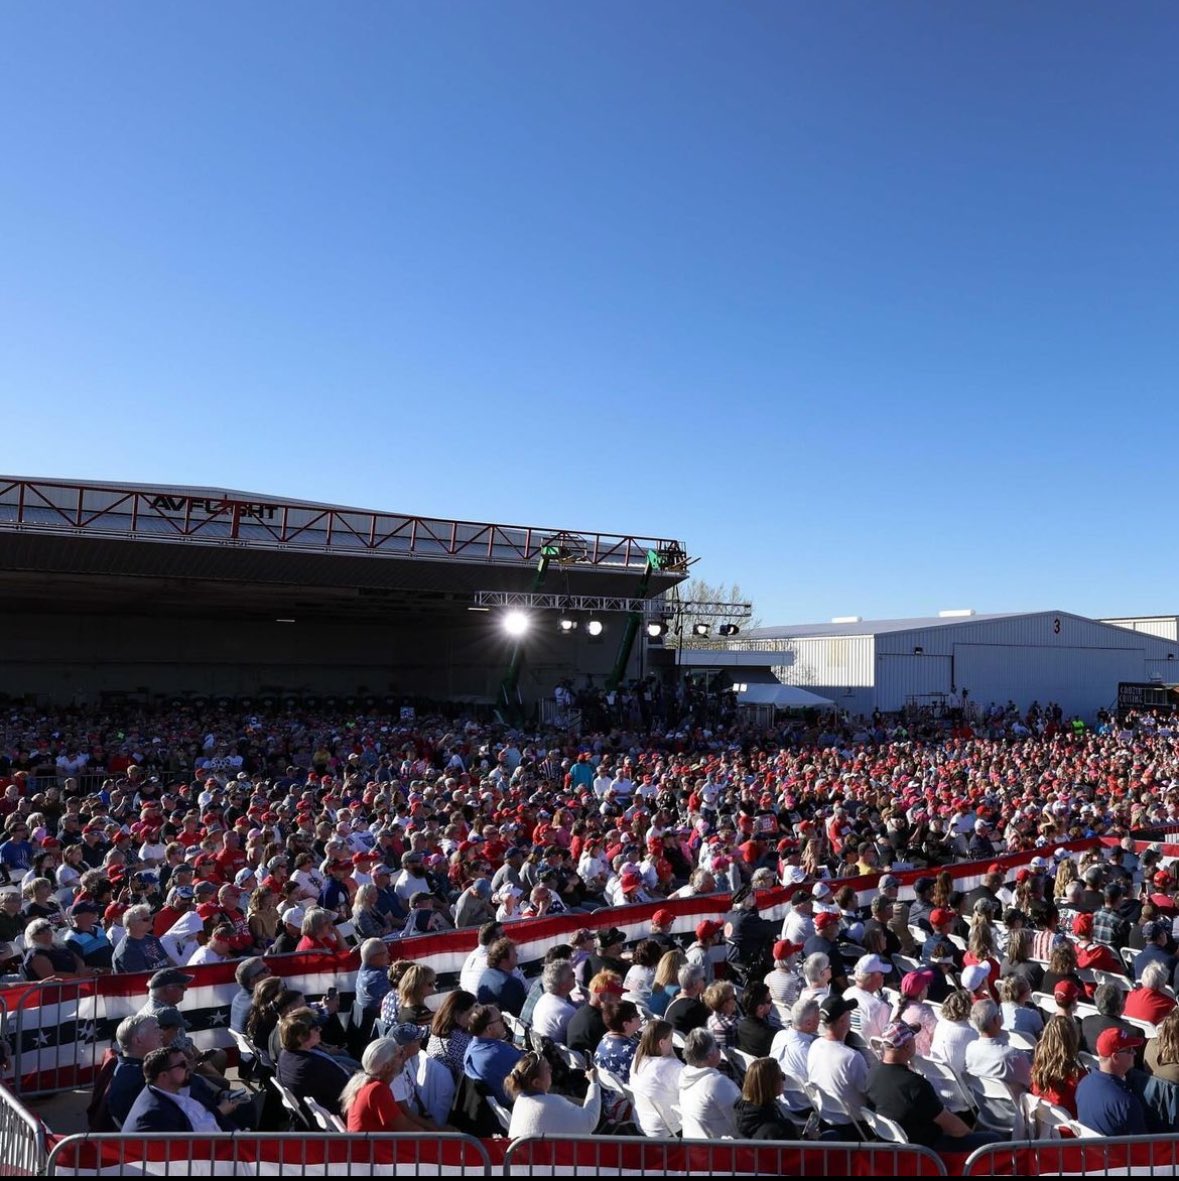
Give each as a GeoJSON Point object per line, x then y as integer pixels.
{"type": "Point", "coordinates": [22, 1139]}
{"type": "Point", "coordinates": [58, 1036]}
{"type": "Point", "coordinates": [268, 1154]}
{"type": "Point", "coordinates": [1155, 1155]}
{"type": "Point", "coordinates": [606, 1156]}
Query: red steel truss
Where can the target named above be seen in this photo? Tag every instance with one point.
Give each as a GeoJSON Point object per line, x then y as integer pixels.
{"type": "Point", "coordinates": [209, 517]}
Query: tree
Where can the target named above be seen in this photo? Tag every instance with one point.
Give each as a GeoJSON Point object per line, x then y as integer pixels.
{"type": "Point", "coordinates": [696, 590]}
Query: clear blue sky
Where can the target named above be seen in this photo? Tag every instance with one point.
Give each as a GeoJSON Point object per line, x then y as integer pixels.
{"type": "Point", "coordinates": [874, 306]}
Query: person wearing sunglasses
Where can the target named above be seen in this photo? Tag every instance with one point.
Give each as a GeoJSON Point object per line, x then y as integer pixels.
{"type": "Point", "coordinates": [1105, 1101]}
{"type": "Point", "coordinates": [168, 1104]}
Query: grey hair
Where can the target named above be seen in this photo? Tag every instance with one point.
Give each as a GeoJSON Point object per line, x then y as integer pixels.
{"type": "Point", "coordinates": [814, 965]}
{"type": "Point", "coordinates": [983, 1015]}
{"type": "Point", "coordinates": [1154, 975]}
{"type": "Point", "coordinates": [314, 919]}
{"type": "Point", "coordinates": [1107, 1000]}
{"type": "Point", "coordinates": [142, 912]}
{"type": "Point", "coordinates": [37, 926]}
{"type": "Point", "coordinates": [554, 973]}
{"type": "Point", "coordinates": [366, 894]}
{"type": "Point", "coordinates": [374, 1062]}
{"type": "Point", "coordinates": [803, 1010]}
{"type": "Point", "coordinates": [698, 1047]}
{"type": "Point", "coordinates": [369, 949]}
{"type": "Point", "coordinates": [128, 1030]}
{"type": "Point", "coordinates": [689, 976]}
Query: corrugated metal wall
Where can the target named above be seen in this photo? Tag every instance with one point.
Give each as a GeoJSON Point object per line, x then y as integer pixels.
{"type": "Point", "coordinates": [838, 667]}
{"type": "Point", "coordinates": [1045, 657]}
{"type": "Point", "coordinates": [1164, 626]}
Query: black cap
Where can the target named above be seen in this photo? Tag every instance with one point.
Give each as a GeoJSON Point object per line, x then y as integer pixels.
{"type": "Point", "coordinates": [923, 884]}
{"type": "Point", "coordinates": [833, 1007]}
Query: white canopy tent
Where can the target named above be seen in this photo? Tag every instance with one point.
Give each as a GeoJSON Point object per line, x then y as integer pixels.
{"type": "Point", "coordinates": [782, 697]}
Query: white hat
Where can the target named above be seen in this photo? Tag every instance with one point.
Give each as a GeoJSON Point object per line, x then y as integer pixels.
{"type": "Point", "coordinates": [821, 890]}
{"type": "Point", "coordinates": [974, 976]}
{"type": "Point", "coordinates": [795, 875]}
{"type": "Point", "coordinates": [867, 964]}
{"type": "Point", "coordinates": [293, 915]}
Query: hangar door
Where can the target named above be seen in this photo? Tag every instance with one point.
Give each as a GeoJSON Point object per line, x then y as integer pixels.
{"type": "Point", "coordinates": [1081, 680]}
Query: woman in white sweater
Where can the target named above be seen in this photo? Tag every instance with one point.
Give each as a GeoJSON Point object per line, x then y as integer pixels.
{"type": "Point", "coordinates": [537, 1113]}
{"type": "Point", "coordinates": [655, 1082]}
{"type": "Point", "coordinates": [953, 1032]}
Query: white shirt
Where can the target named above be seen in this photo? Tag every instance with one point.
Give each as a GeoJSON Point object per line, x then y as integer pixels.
{"type": "Point", "coordinates": [426, 1087]}
{"type": "Point", "coordinates": [555, 1115]}
{"type": "Point", "coordinates": [707, 1098]}
{"type": "Point", "coordinates": [992, 1057]}
{"type": "Point", "coordinates": [837, 1069]}
{"type": "Point", "coordinates": [551, 1016]}
{"type": "Point", "coordinates": [473, 968]}
{"type": "Point", "coordinates": [205, 955]}
{"type": "Point", "coordinates": [655, 1084]}
{"type": "Point", "coordinates": [407, 885]}
{"type": "Point", "coordinates": [179, 940]}
{"type": "Point", "coordinates": [870, 1019]}
{"type": "Point", "coordinates": [950, 1040]}
{"type": "Point", "coordinates": [791, 1049]}
{"type": "Point", "coordinates": [798, 928]}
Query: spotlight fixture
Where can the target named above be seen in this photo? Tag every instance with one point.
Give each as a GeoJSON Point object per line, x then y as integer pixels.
{"type": "Point", "coordinates": [515, 623]}
{"type": "Point", "coordinates": [567, 624]}
{"type": "Point", "coordinates": [701, 629]}
{"type": "Point", "coordinates": [655, 629]}
{"type": "Point", "coordinates": [594, 627]}
{"type": "Point", "coordinates": [728, 629]}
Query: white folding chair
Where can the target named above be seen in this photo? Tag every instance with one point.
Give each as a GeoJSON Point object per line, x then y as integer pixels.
{"type": "Point", "coordinates": [1115, 978]}
{"type": "Point", "coordinates": [574, 1059]}
{"type": "Point", "coordinates": [347, 933]}
{"type": "Point", "coordinates": [739, 1060]}
{"type": "Point", "coordinates": [1041, 1118]}
{"type": "Point", "coordinates": [677, 1039]}
{"type": "Point", "coordinates": [1148, 1027]}
{"type": "Point", "coordinates": [828, 1104]}
{"type": "Point", "coordinates": [1088, 1061]}
{"type": "Point", "coordinates": [998, 1106]}
{"type": "Point", "coordinates": [326, 1120]}
{"type": "Point", "coordinates": [291, 1102]}
{"type": "Point", "coordinates": [905, 963]}
{"type": "Point", "coordinates": [883, 1128]}
{"type": "Point", "coordinates": [1021, 1040]}
{"type": "Point", "coordinates": [946, 1083]}
{"type": "Point", "coordinates": [516, 1027]}
{"type": "Point", "coordinates": [500, 1111]}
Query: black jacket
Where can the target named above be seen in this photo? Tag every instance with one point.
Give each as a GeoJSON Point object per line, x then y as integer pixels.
{"type": "Point", "coordinates": [762, 1123]}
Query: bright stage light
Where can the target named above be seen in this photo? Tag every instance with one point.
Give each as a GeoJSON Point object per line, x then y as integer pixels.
{"type": "Point", "coordinates": [515, 623]}
{"type": "Point", "coordinates": [594, 627]}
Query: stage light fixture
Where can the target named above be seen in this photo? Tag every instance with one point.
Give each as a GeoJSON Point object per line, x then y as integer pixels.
{"type": "Point", "coordinates": [515, 623]}
{"type": "Point", "coordinates": [701, 629]}
{"type": "Point", "coordinates": [655, 629]}
{"type": "Point", "coordinates": [594, 627]}
{"type": "Point", "coordinates": [567, 624]}
{"type": "Point", "coordinates": [728, 629]}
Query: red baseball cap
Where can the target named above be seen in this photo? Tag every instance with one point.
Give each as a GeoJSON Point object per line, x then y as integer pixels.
{"type": "Point", "coordinates": [1066, 993]}
{"type": "Point", "coordinates": [1083, 924]}
{"type": "Point", "coordinates": [663, 917]}
{"type": "Point", "coordinates": [826, 918]}
{"type": "Point", "coordinates": [784, 949]}
{"type": "Point", "coordinates": [1112, 1041]}
{"type": "Point", "coordinates": [708, 928]}
{"type": "Point", "coordinates": [942, 915]}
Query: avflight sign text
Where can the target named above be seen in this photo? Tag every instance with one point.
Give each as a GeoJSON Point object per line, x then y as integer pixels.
{"type": "Point", "coordinates": [212, 507]}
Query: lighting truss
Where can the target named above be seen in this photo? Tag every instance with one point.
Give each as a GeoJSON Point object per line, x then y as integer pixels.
{"type": "Point", "coordinates": [652, 608]}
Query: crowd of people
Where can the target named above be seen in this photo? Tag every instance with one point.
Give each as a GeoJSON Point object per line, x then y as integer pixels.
{"type": "Point", "coordinates": [152, 840]}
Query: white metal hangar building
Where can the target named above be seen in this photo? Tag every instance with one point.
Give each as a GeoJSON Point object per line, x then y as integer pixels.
{"type": "Point", "coordinates": [960, 657]}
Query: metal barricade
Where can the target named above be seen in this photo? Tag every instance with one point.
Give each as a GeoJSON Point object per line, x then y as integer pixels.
{"type": "Point", "coordinates": [23, 1151]}
{"type": "Point", "coordinates": [60, 1032]}
{"type": "Point", "coordinates": [598, 1155]}
{"type": "Point", "coordinates": [261, 1154]}
{"type": "Point", "coordinates": [1093, 1156]}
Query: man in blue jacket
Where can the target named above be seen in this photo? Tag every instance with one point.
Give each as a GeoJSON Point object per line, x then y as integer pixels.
{"type": "Point", "coordinates": [167, 1104]}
